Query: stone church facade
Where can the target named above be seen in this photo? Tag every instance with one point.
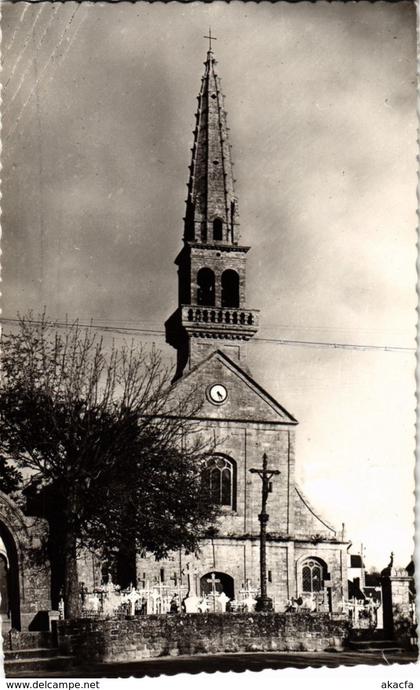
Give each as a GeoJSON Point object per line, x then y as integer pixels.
{"type": "Point", "coordinates": [306, 557]}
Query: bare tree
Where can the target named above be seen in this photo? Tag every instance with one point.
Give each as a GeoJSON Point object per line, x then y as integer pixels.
{"type": "Point", "coordinates": [100, 431]}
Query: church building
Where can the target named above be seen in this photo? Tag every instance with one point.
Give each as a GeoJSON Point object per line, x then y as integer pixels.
{"type": "Point", "coordinates": [210, 329]}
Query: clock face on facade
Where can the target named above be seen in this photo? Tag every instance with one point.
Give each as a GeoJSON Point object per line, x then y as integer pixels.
{"type": "Point", "coordinates": [217, 393]}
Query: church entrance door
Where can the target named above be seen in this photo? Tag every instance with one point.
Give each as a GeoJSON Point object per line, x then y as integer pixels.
{"type": "Point", "coordinates": [219, 582]}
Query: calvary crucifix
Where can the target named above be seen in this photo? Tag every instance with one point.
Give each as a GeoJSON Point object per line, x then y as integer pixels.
{"type": "Point", "coordinates": [264, 603]}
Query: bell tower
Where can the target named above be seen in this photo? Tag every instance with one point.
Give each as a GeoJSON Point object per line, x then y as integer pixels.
{"type": "Point", "coordinates": [212, 312]}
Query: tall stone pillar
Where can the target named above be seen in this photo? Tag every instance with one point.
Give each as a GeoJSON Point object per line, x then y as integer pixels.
{"type": "Point", "coordinates": [397, 610]}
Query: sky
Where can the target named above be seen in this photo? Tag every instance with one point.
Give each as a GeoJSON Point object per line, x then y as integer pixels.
{"type": "Point", "coordinates": [99, 104]}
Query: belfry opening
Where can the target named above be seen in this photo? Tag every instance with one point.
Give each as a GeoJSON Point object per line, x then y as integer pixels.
{"type": "Point", "coordinates": [230, 289]}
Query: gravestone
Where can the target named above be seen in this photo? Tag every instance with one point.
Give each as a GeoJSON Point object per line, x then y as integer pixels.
{"type": "Point", "coordinates": [222, 602]}
{"type": "Point", "coordinates": [132, 598]}
{"type": "Point", "coordinates": [203, 606]}
{"type": "Point", "coordinates": [250, 603]}
{"type": "Point", "coordinates": [93, 603]}
{"type": "Point", "coordinates": [192, 604]}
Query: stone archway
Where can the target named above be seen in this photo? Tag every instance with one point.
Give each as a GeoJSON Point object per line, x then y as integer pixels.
{"type": "Point", "coordinates": [9, 579]}
{"type": "Point", "coordinates": [26, 571]}
{"type": "Point", "coordinates": [222, 583]}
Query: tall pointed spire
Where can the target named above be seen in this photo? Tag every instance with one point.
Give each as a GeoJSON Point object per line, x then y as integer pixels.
{"type": "Point", "coordinates": [212, 211]}
{"type": "Point", "coordinates": [212, 312]}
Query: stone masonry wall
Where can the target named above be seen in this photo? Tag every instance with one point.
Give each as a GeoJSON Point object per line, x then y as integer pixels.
{"type": "Point", "coordinates": [144, 637]}
{"type": "Point", "coordinates": [398, 619]}
{"type": "Point", "coordinates": [240, 559]}
{"type": "Point", "coordinates": [334, 556]}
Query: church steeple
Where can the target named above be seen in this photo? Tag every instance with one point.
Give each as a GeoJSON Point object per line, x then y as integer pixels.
{"type": "Point", "coordinates": [212, 213]}
{"type": "Point", "coordinates": [212, 311]}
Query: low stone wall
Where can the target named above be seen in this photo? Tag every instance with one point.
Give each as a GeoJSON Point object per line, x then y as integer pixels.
{"type": "Point", "coordinates": [143, 637]}
{"type": "Point", "coordinates": [15, 640]}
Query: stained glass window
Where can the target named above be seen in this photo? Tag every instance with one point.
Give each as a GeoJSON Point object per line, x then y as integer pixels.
{"type": "Point", "coordinates": [218, 478]}
{"type": "Point", "coordinates": [312, 577]}
{"type": "Point", "coordinates": [306, 579]}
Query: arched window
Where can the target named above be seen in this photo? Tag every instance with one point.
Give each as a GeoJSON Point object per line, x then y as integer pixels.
{"type": "Point", "coordinates": [219, 481]}
{"type": "Point", "coordinates": [205, 287]}
{"type": "Point", "coordinates": [230, 289]}
{"type": "Point", "coordinates": [312, 576]}
{"type": "Point", "coordinates": [218, 229]}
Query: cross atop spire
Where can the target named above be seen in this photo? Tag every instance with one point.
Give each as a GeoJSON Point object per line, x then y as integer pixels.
{"type": "Point", "coordinates": [211, 38]}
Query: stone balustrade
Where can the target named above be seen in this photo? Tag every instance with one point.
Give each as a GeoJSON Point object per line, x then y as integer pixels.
{"type": "Point", "coordinates": [222, 316]}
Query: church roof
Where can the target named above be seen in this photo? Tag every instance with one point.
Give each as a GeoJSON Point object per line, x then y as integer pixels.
{"type": "Point", "coordinates": [248, 399]}
{"type": "Point", "coordinates": [309, 519]}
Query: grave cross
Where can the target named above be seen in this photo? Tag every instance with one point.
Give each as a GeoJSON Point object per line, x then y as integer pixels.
{"type": "Point", "coordinates": [265, 474]}
{"type": "Point", "coordinates": [177, 583]}
{"type": "Point", "coordinates": [132, 598]}
{"type": "Point", "coordinates": [213, 581]}
{"type": "Point", "coordinates": [192, 579]}
{"type": "Point", "coordinates": [211, 38]}
{"type": "Point", "coordinates": [247, 588]}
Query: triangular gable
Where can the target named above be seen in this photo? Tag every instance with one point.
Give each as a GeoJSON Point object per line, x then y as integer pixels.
{"type": "Point", "coordinates": [246, 399]}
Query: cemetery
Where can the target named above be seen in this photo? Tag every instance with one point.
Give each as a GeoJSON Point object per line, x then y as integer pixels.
{"type": "Point", "coordinates": [161, 620]}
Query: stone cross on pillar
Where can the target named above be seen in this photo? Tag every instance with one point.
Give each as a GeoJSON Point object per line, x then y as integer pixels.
{"type": "Point", "coordinates": [265, 474]}
{"type": "Point", "coordinates": [177, 583]}
{"type": "Point", "coordinates": [192, 601]}
{"type": "Point", "coordinates": [192, 581]}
